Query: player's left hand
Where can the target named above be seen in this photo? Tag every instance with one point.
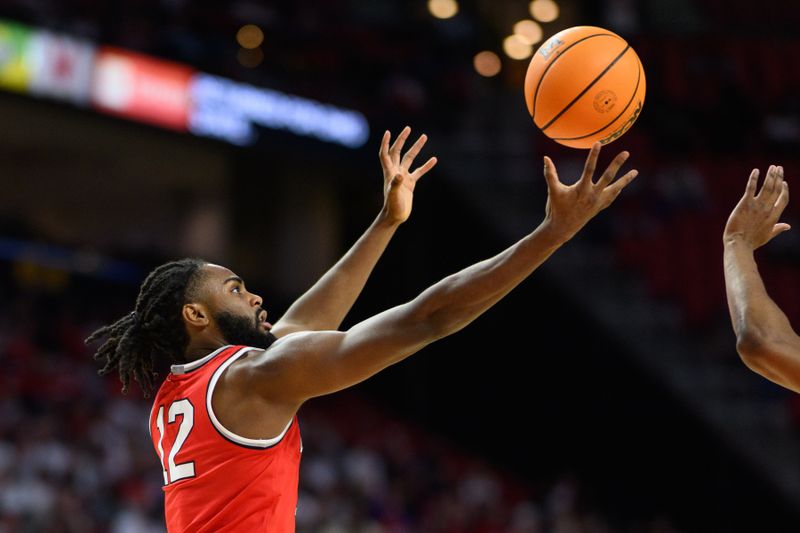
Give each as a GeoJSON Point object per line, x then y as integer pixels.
{"type": "Point", "coordinates": [754, 220]}
{"type": "Point", "coordinates": [398, 178]}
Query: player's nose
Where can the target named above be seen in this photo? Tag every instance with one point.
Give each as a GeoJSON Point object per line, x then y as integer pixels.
{"type": "Point", "coordinates": [256, 300]}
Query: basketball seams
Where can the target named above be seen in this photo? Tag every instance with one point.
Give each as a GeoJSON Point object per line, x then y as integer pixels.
{"type": "Point", "coordinates": [630, 101]}
{"type": "Point", "coordinates": [559, 56]}
{"type": "Point", "coordinates": [586, 89]}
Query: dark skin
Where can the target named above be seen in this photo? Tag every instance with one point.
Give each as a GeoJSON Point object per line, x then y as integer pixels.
{"type": "Point", "coordinates": [259, 394]}
{"type": "Point", "coordinates": [765, 339]}
{"type": "Point", "coordinates": [223, 291]}
{"type": "Point", "coordinates": [322, 307]}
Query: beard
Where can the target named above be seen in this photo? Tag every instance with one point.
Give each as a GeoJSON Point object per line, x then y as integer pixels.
{"type": "Point", "coordinates": [240, 330]}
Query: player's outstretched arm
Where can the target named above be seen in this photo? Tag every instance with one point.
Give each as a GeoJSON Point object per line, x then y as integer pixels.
{"type": "Point", "coordinates": [310, 364]}
{"type": "Point", "coordinates": [765, 339]}
{"type": "Point", "coordinates": [325, 305]}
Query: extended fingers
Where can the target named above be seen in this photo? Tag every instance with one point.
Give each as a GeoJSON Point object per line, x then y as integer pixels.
{"type": "Point", "coordinates": [780, 205]}
{"type": "Point", "coordinates": [616, 187]}
{"type": "Point", "coordinates": [412, 152]}
{"type": "Point", "coordinates": [771, 187]}
{"type": "Point", "coordinates": [773, 181]}
{"type": "Point", "coordinates": [383, 152]}
{"type": "Point", "coordinates": [421, 171]}
{"type": "Point", "coordinates": [782, 201]}
{"type": "Point", "coordinates": [397, 147]}
{"type": "Point", "coordinates": [779, 180]}
{"type": "Point", "coordinates": [611, 172]}
{"type": "Point", "coordinates": [779, 228]}
{"type": "Point", "coordinates": [591, 164]}
{"type": "Point", "coordinates": [550, 174]}
{"type": "Point", "coordinates": [752, 181]}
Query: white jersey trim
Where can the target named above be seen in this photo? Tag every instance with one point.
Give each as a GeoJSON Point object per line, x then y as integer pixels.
{"type": "Point", "coordinates": [230, 435]}
{"type": "Point", "coordinates": [187, 367]}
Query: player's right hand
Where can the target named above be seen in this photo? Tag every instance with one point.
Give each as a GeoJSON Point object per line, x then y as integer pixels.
{"type": "Point", "coordinates": [754, 220]}
{"type": "Point", "coordinates": [570, 207]}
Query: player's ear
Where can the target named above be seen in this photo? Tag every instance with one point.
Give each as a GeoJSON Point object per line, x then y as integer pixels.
{"type": "Point", "coordinates": [195, 314]}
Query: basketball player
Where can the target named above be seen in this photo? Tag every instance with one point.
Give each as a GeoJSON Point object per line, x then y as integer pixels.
{"type": "Point", "coordinates": [765, 340]}
{"type": "Point", "coordinates": [224, 421]}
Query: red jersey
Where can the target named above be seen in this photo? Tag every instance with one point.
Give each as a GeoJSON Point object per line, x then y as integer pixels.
{"type": "Point", "coordinates": [215, 480]}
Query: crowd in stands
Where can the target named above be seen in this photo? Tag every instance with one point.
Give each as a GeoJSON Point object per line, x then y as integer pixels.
{"type": "Point", "coordinates": [75, 455]}
{"type": "Point", "coordinates": [731, 113]}
{"type": "Point", "coordinates": [719, 106]}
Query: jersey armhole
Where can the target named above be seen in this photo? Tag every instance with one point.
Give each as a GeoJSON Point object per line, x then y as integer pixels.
{"type": "Point", "coordinates": [259, 444]}
{"type": "Point", "coordinates": [150, 418]}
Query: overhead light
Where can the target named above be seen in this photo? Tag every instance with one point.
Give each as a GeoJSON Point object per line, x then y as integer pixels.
{"type": "Point", "coordinates": [250, 36]}
{"type": "Point", "coordinates": [443, 9]}
{"type": "Point", "coordinates": [487, 63]}
{"type": "Point", "coordinates": [544, 10]}
{"type": "Point", "coordinates": [529, 30]}
{"type": "Point", "coordinates": [515, 47]}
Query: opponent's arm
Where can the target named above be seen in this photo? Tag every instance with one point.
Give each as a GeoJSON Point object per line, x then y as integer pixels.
{"type": "Point", "coordinates": [315, 363]}
{"type": "Point", "coordinates": [765, 339]}
{"type": "Point", "coordinates": [325, 305]}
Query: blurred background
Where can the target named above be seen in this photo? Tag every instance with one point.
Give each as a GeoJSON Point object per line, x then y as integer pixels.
{"type": "Point", "coordinates": [603, 395]}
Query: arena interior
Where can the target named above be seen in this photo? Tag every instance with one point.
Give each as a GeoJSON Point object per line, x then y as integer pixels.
{"type": "Point", "coordinates": [603, 395]}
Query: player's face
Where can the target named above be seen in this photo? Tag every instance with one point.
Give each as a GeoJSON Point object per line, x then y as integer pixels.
{"type": "Point", "coordinates": [238, 313]}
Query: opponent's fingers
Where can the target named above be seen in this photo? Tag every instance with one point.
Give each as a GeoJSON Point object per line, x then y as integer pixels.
{"type": "Point", "coordinates": [777, 181]}
{"type": "Point", "coordinates": [783, 200]}
{"type": "Point", "coordinates": [768, 187]}
{"type": "Point", "coordinates": [616, 187]}
{"type": "Point", "coordinates": [591, 164]}
{"type": "Point", "coordinates": [383, 152]}
{"type": "Point", "coordinates": [611, 172]}
{"type": "Point", "coordinates": [412, 152]}
{"type": "Point", "coordinates": [550, 174]}
{"type": "Point", "coordinates": [752, 181]}
{"type": "Point", "coordinates": [397, 146]}
{"type": "Point", "coordinates": [777, 229]}
{"type": "Point", "coordinates": [421, 171]}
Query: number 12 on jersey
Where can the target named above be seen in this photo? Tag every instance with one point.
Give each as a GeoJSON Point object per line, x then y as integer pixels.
{"type": "Point", "coordinates": [185, 409]}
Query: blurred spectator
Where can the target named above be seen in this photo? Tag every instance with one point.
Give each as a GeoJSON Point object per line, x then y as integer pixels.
{"type": "Point", "coordinates": [75, 457]}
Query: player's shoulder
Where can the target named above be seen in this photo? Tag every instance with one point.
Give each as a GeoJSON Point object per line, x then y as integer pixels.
{"type": "Point", "coordinates": [286, 350]}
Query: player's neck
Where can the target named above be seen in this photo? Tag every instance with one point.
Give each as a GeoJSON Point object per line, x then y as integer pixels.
{"type": "Point", "coordinates": [199, 348]}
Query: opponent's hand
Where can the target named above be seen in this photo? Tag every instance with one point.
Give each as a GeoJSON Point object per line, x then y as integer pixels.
{"type": "Point", "coordinates": [754, 220]}
{"type": "Point", "coordinates": [570, 207]}
{"type": "Point", "coordinates": [398, 180]}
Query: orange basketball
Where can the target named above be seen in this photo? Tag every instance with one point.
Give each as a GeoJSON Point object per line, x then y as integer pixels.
{"type": "Point", "coordinates": [584, 84]}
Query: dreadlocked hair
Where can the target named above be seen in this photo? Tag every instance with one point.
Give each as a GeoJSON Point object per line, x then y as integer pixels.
{"type": "Point", "coordinates": [154, 329]}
